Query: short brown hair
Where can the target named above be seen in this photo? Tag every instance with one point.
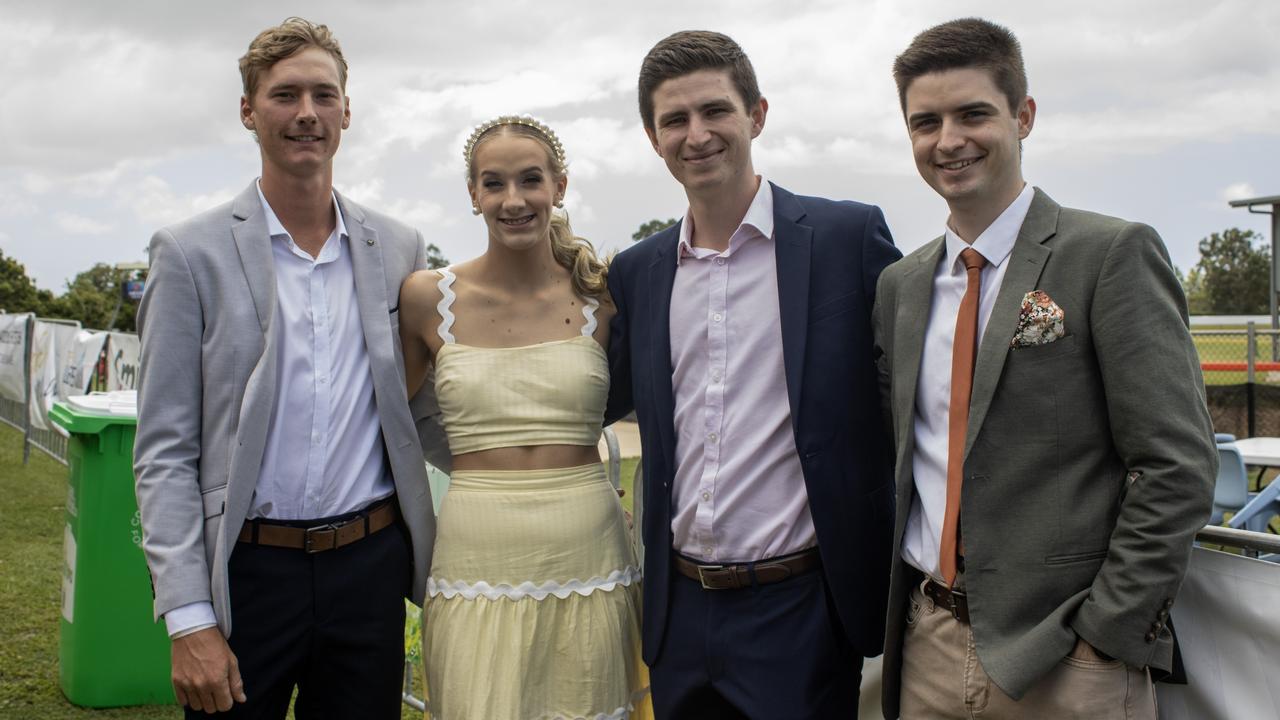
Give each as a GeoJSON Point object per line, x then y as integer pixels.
{"type": "Point", "coordinates": [689, 51]}
{"type": "Point", "coordinates": [965, 43]}
{"type": "Point", "coordinates": [284, 40]}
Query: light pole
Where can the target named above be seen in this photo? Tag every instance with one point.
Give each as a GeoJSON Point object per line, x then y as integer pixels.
{"type": "Point", "coordinates": [126, 269]}
{"type": "Point", "coordinates": [1274, 212]}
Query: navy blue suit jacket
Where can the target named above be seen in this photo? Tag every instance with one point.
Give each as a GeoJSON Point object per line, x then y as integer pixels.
{"type": "Point", "coordinates": [829, 255]}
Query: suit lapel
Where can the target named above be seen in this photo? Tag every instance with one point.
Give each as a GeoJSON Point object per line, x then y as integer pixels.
{"type": "Point", "coordinates": [792, 244]}
{"type": "Point", "coordinates": [254, 246]}
{"type": "Point", "coordinates": [1026, 262]}
{"type": "Point", "coordinates": [371, 298]}
{"type": "Point", "coordinates": [662, 276]}
{"type": "Point", "coordinates": [915, 297]}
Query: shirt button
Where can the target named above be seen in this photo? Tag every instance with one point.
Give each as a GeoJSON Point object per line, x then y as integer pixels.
{"type": "Point", "coordinates": [706, 497]}
{"type": "Point", "coordinates": [717, 317]}
{"type": "Point", "coordinates": [706, 550]}
{"type": "Point", "coordinates": [316, 438]}
{"type": "Point", "coordinates": [712, 437]}
{"type": "Point", "coordinates": [719, 261]}
{"type": "Point", "coordinates": [715, 377]}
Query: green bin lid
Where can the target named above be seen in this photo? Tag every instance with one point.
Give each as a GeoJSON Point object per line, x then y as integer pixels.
{"type": "Point", "coordinates": [91, 413]}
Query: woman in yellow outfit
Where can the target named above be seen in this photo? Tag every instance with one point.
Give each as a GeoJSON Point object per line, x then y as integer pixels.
{"type": "Point", "coordinates": [533, 601]}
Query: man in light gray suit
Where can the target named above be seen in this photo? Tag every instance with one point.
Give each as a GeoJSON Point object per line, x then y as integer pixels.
{"type": "Point", "coordinates": [285, 506]}
{"type": "Point", "coordinates": [1054, 454]}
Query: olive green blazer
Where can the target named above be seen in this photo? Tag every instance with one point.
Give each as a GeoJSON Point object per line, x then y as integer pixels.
{"type": "Point", "coordinates": [1089, 461]}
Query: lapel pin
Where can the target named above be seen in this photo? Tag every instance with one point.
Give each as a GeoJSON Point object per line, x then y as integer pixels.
{"type": "Point", "coordinates": [369, 242]}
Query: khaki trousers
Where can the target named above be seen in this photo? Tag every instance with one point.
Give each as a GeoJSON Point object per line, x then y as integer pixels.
{"type": "Point", "coordinates": [943, 678]}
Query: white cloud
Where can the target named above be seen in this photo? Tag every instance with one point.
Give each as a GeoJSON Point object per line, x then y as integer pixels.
{"type": "Point", "coordinates": [154, 202]}
{"type": "Point", "coordinates": [1237, 191]}
{"type": "Point", "coordinates": [79, 225]}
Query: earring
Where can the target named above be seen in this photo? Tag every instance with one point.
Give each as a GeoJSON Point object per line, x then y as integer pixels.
{"type": "Point", "coordinates": [475, 209]}
{"type": "Point", "coordinates": [559, 202]}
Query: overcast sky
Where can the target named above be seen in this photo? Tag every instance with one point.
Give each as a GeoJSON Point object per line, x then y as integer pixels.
{"type": "Point", "coordinates": [120, 117]}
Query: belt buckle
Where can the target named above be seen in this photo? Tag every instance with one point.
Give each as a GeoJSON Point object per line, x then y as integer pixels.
{"type": "Point", "coordinates": [702, 578]}
{"type": "Point", "coordinates": [313, 532]}
{"type": "Point", "coordinates": [955, 596]}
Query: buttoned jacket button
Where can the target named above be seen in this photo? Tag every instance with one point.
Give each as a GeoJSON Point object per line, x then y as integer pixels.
{"type": "Point", "coordinates": [1163, 615]}
{"type": "Point", "coordinates": [1151, 637]}
{"type": "Point", "coordinates": [1168, 604]}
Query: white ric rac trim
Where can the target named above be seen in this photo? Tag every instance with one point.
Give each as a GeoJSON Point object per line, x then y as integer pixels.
{"type": "Point", "coordinates": [446, 315]}
{"type": "Point", "coordinates": [471, 591]}
{"type": "Point", "coordinates": [619, 714]}
{"type": "Point", "coordinates": [589, 312]}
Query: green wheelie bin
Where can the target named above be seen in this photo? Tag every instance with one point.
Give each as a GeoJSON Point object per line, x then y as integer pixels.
{"type": "Point", "coordinates": [111, 653]}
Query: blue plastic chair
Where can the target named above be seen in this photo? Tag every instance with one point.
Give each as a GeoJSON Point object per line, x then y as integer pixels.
{"type": "Point", "coordinates": [1231, 491]}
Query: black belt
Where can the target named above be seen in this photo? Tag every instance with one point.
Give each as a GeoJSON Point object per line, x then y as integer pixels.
{"type": "Point", "coordinates": [319, 538]}
{"type": "Point", "coordinates": [764, 572]}
{"type": "Point", "coordinates": [953, 601]}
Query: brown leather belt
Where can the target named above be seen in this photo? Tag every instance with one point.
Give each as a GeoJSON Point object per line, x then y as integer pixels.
{"type": "Point", "coordinates": [953, 601]}
{"type": "Point", "coordinates": [329, 536]}
{"type": "Point", "coordinates": [764, 572]}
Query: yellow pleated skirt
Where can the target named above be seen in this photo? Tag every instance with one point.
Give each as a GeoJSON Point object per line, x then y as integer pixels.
{"type": "Point", "coordinates": [533, 601]}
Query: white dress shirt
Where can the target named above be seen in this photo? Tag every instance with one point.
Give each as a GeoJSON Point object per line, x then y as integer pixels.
{"type": "Point", "coordinates": [738, 493]}
{"type": "Point", "coordinates": [324, 453]}
{"type": "Point", "coordinates": [923, 534]}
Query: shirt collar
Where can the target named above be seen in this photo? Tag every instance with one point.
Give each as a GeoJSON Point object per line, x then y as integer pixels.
{"type": "Point", "coordinates": [276, 229]}
{"type": "Point", "coordinates": [759, 217]}
{"type": "Point", "coordinates": [996, 242]}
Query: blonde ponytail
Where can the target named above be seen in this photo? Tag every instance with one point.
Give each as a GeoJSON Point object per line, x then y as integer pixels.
{"type": "Point", "coordinates": [589, 272]}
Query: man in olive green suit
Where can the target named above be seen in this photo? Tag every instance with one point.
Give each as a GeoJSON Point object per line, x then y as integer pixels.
{"type": "Point", "coordinates": [1054, 453]}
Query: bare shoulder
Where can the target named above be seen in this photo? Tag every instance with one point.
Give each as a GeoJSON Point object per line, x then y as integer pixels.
{"type": "Point", "coordinates": [421, 290]}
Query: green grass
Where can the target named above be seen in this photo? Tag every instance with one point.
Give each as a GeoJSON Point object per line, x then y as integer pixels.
{"type": "Point", "coordinates": [1232, 348]}
{"type": "Point", "coordinates": [31, 515]}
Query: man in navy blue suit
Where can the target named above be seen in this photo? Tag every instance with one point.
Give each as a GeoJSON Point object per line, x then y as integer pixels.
{"type": "Point", "coordinates": [743, 341]}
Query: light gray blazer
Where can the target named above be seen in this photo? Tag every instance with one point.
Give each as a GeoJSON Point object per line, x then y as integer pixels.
{"type": "Point", "coordinates": [206, 389]}
{"type": "Point", "coordinates": [1089, 461]}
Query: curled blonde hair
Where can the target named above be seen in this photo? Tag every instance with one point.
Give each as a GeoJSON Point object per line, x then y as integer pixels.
{"type": "Point", "coordinates": [588, 271]}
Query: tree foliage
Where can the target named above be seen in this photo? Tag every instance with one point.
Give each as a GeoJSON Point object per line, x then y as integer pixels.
{"type": "Point", "coordinates": [94, 297]}
{"type": "Point", "coordinates": [18, 292]}
{"type": "Point", "coordinates": [435, 257]}
{"type": "Point", "coordinates": [652, 227]}
{"type": "Point", "coordinates": [1232, 276]}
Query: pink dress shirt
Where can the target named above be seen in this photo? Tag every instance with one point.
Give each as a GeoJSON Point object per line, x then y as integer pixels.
{"type": "Point", "coordinates": [739, 492]}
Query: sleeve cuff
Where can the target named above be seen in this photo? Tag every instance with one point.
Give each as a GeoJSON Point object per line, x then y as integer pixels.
{"type": "Point", "coordinates": [189, 618]}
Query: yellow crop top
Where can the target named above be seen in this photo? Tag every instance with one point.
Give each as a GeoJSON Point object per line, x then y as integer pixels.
{"type": "Point", "coordinates": [552, 393]}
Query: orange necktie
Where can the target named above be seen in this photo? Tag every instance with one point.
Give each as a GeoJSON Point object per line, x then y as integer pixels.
{"type": "Point", "coordinates": [962, 356]}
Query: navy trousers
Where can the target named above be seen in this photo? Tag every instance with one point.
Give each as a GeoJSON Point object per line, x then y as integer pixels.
{"type": "Point", "coordinates": [330, 624]}
{"type": "Point", "coordinates": [770, 652]}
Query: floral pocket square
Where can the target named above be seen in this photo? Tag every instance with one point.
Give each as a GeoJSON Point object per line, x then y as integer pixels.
{"type": "Point", "coordinates": [1040, 322]}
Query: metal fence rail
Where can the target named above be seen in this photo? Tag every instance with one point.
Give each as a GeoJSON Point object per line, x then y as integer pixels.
{"type": "Point", "coordinates": [1230, 357]}
{"type": "Point", "coordinates": [1253, 543]}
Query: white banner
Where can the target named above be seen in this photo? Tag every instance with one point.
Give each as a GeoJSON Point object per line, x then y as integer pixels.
{"type": "Point", "coordinates": [1229, 632]}
{"type": "Point", "coordinates": [77, 361]}
{"type": "Point", "coordinates": [13, 352]}
{"type": "Point", "coordinates": [46, 341]}
{"type": "Point", "coordinates": [124, 352]}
